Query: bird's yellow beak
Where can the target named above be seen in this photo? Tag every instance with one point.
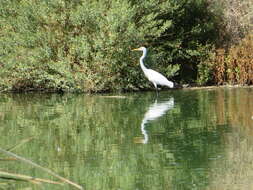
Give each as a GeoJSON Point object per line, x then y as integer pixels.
{"type": "Point", "coordinates": [137, 49]}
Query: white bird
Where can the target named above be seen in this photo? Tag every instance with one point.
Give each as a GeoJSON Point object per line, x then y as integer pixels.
{"type": "Point", "coordinates": [153, 76]}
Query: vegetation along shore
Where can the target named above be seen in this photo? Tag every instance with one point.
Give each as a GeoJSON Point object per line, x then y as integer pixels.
{"type": "Point", "coordinates": [85, 45]}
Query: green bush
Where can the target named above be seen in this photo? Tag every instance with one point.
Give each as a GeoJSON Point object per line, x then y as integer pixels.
{"type": "Point", "coordinates": [194, 30]}
{"type": "Point", "coordinates": [84, 45]}
{"type": "Point", "coordinates": [75, 45]}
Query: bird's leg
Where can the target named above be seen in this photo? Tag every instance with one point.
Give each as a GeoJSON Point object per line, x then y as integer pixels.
{"type": "Point", "coordinates": [156, 89]}
{"type": "Point", "coordinates": [155, 85]}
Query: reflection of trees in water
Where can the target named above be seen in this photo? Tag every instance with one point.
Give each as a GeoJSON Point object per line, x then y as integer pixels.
{"type": "Point", "coordinates": [202, 135]}
{"type": "Point", "coordinates": [237, 107]}
{"type": "Point", "coordinates": [193, 138]}
{"type": "Point", "coordinates": [235, 171]}
{"type": "Point", "coordinates": [95, 136]}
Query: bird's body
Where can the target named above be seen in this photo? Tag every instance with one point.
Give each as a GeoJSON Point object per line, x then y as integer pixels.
{"type": "Point", "coordinates": [153, 76]}
{"type": "Point", "coordinates": [158, 79]}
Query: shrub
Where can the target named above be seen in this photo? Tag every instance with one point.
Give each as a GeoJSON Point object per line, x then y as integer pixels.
{"type": "Point", "coordinates": [194, 31]}
{"type": "Point", "coordinates": [205, 69]}
{"type": "Point", "coordinates": [236, 65]}
{"type": "Point", "coordinates": [76, 45]}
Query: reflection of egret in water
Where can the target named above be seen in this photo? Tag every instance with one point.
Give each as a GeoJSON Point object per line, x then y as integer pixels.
{"type": "Point", "coordinates": [155, 111]}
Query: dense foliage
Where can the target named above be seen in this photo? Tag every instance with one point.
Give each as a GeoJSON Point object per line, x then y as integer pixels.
{"type": "Point", "coordinates": [234, 66]}
{"type": "Point", "coordinates": [74, 45]}
{"type": "Point", "coordinates": [84, 45]}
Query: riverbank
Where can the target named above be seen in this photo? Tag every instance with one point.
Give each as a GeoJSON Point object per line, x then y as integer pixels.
{"type": "Point", "coordinates": [183, 87]}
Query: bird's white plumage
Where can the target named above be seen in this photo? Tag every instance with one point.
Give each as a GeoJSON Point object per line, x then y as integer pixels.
{"type": "Point", "coordinates": [153, 76]}
{"type": "Point", "coordinates": [158, 79]}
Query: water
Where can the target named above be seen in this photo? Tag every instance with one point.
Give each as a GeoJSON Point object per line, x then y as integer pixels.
{"type": "Point", "coordinates": [182, 139]}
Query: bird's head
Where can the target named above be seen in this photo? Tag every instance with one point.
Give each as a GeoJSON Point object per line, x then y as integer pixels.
{"type": "Point", "coordinates": [140, 49]}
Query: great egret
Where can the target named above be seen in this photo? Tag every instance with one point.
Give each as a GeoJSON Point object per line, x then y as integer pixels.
{"type": "Point", "coordinates": [153, 76]}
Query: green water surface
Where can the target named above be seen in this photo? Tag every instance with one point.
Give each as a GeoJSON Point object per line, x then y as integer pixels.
{"type": "Point", "coordinates": [182, 139]}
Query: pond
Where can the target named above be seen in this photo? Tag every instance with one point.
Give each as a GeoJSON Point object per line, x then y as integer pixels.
{"type": "Point", "coordinates": [180, 139]}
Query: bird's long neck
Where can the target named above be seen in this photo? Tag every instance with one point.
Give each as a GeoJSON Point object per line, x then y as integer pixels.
{"type": "Point", "coordinates": [141, 60]}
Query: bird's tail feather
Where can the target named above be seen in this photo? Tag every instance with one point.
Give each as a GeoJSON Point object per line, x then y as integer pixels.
{"type": "Point", "coordinates": [170, 84]}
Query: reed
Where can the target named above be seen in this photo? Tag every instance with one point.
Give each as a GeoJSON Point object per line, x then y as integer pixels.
{"type": "Point", "coordinates": [19, 177]}
{"type": "Point", "coordinates": [31, 179]}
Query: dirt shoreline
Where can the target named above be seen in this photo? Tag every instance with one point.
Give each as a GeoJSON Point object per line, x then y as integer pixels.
{"type": "Point", "coordinates": [215, 87]}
